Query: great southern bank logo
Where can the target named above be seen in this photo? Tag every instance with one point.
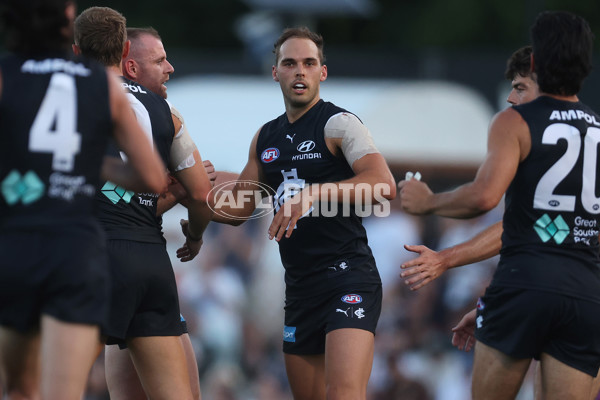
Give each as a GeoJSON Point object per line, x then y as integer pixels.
{"type": "Point", "coordinates": [235, 195]}
{"type": "Point", "coordinates": [269, 155]}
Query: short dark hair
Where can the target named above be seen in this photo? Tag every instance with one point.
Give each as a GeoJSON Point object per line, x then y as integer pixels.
{"type": "Point", "coordinates": [135, 33]}
{"type": "Point", "coordinates": [33, 26]}
{"type": "Point", "coordinates": [100, 34]}
{"type": "Point", "coordinates": [519, 63]}
{"type": "Point", "coordinates": [562, 52]}
{"type": "Point", "coordinates": [300, 32]}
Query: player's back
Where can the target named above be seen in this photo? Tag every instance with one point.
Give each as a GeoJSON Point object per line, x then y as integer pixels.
{"type": "Point", "coordinates": [552, 215]}
{"type": "Point", "coordinates": [125, 214]}
{"type": "Point", "coordinates": [54, 125]}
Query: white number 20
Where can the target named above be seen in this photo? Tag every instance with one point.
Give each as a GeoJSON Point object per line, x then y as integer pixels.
{"type": "Point", "coordinates": [54, 128]}
{"type": "Point", "coordinates": [545, 198]}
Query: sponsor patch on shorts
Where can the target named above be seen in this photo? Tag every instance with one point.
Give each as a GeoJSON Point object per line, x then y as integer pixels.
{"type": "Point", "coordinates": [289, 334]}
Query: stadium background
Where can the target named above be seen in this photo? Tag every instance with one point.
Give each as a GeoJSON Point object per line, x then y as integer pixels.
{"type": "Point", "coordinates": [425, 76]}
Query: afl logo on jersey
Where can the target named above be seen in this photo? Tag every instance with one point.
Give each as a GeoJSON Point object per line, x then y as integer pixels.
{"type": "Point", "coordinates": [269, 155]}
{"type": "Point", "coordinates": [352, 298]}
{"type": "Point", "coordinates": [306, 146]}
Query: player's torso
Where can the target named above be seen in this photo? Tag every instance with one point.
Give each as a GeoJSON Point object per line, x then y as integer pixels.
{"type": "Point", "coordinates": [293, 156]}
{"type": "Point", "coordinates": [125, 214]}
{"type": "Point", "coordinates": [54, 122]}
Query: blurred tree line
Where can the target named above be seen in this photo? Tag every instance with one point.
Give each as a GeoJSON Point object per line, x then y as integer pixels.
{"type": "Point", "coordinates": [397, 24]}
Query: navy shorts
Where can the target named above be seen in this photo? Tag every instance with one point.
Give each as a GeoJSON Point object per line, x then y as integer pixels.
{"type": "Point", "coordinates": [307, 322]}
{"type": "Point", "coordinates": [62, 273]}
{"type": "Point", "coordinates": [144, 300]}
{"type": "Point", "coordinates": [524, 323]}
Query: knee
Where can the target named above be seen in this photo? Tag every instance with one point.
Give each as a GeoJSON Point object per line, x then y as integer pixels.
{"type": "Point", "coordinates": [345, 392]}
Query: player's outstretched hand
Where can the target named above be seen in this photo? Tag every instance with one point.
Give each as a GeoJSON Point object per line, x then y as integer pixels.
{"type": "Point", "coordinates": [423, 269]}
{"type": "Point", "coordinates": [191, 247]}
{"type": "Point", "coordinates": [463, 337]}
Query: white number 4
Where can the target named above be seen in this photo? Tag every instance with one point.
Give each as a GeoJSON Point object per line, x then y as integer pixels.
{"type": "Point", "coordinates": [54, 128]}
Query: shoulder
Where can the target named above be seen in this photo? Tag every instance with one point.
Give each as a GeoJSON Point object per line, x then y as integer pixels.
{"type": "Point", "coordinates": [342, 120]}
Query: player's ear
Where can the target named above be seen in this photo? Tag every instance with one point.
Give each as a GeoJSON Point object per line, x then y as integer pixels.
{"type": "Point", "coordinates": [323, 73]}
{"type": "Point", "coordinates": [76, 49]}
{"type": "Point", "coordinates": [274, 72]}
{"type": "Point", "coordinates": [126, 48]}
{"type": "Point", "coordinates": [129, 67]}
{"type": "Point", "coordinates": [532, 67]}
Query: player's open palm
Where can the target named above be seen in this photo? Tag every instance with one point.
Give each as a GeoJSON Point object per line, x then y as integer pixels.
{"type": "Point", "coordinates": [463, 337]}
{"type": "Point", "coordinates": [423, 269]}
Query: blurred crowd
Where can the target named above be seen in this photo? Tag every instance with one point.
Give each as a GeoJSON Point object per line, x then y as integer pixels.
{"type": "Point", "coordinates": [232, 298]}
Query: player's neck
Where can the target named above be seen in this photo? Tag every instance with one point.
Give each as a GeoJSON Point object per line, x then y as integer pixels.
{"type": "Point", "coordinates": [116, 69]}
{"type": "Point", "coordinates": [572, 98]}
{"type": "Point", "coordinates": [295, 113]}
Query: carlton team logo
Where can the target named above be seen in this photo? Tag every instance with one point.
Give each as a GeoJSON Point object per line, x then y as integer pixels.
{"type": "Point", "coordinates": [352, 298]}
{"type": "Point", "coordinates": [269, 155]}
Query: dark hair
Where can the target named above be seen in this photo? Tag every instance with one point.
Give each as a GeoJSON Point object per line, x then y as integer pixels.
{"type": "Point", "coordinates": [33, 26]}
{"type": "Point", "coordinates": [303, 33]}
{"type": "Point", "coordinates": [562, 52]}
{"type": "Point", "coordinates": [519, 63]}
{"type": "Point", "coordinates": [135, 33]}
{"type": "Point", "coordinates": [100, 34]}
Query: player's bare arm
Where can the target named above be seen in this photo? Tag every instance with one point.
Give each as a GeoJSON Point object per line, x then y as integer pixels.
{"type": "Point", "coordinates": [508, 144]}
{"type": "Point", "coordinates": [219, 199]}
{"type": "Point", "coordinates": [429, 264]}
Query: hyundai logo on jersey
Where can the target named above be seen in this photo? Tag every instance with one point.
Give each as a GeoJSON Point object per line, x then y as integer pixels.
{"type": "Point", "coordinates": [289, 334]}
{"type": "Point", "coordinates": [306, 146]}
{"type": "Point", "coordinates": [352, 298]}
{"type": "Point", "coordinates": [270, 154]}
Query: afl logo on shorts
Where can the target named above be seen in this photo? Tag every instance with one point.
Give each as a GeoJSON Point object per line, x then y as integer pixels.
{"type": "Point", "coordinates": [270, 154]}
{"type": "Point", "coordinates": [352, 298]}
{"type": "Point", "coordinates": [480, 304]}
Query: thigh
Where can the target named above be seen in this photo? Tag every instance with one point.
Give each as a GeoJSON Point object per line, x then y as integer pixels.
{"type": "Point", "coordinates": [306, 375]}
{"type": "Point", "coordinates": [560, 381]}
{"type": "Point", "coordinates": [19, 362]}
{"type": "Point", "coordinates": [496, 376]}
{"type": "Point", "coordinates": [121, 377]}
{"type": "Point", "coordinates": [348, 363]}
{"type": "Point", "coordinates": [161, 365]}
{"type": "Point", "coordinates": [192, 364]}
{"type": "Point", "coordinates": [68, 351]}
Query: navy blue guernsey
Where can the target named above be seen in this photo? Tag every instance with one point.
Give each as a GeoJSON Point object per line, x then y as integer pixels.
{"type": "Point", "coordinates": [323, 251]}
{"type": "Point", "coordinates": [54, 126]}
{"type": "Point", "coordinates": [550, 239]}
{"type": "Point", "coordinates": [125, 214]}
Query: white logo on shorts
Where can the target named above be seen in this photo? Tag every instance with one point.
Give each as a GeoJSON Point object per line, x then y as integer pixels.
{"type": "Point", "coordinates": [342, 311]}
{"type": "Point", "coordinates": [360, 313]}
{"type": "Point", "coordinates": [479, 321]}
